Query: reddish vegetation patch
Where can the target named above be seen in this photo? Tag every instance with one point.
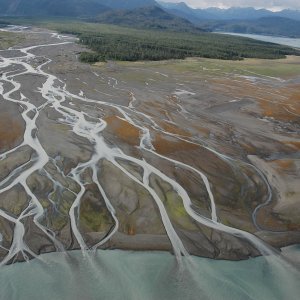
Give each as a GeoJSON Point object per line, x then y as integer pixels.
{"type": "Point", "coordinates": [270, 221]}
{"type": "Point", "coordinates": [281, 104]}
{"type": "Point", "coordinates": [293, 94]}
{"type": "Point", "coordinates": [164, 145]}
{"type": "Point", "coordinates": [248, 147]}
{"type": "Point", "coordinates": [285, 164]}
{"type": "Point", "coordinates": [286, 167]}
{"type": "Point", "coordinates": [294, 145]}
{"type": "Point", "coordinates": [172, 128]}
{"type": "Point", "coordinates": [131, 230]}
{"type": "Point", "coordinates": [123, 130]}
{"type": "Point", "coordinates": [11, 131]}
{"type": "Point", "coordinates": [203, 130]}
{"type": "Point", "coordinates": [295, 97]}
{"type": "Point", "coordinates": [277, 110]}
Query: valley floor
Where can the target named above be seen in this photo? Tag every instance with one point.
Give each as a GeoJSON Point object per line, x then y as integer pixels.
{"type": "Point", "coordinates": [191, 156]}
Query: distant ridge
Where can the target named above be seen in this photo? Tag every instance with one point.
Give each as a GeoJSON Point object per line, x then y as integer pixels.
{"type": "Point", "coordinates": [127, 4]}
{"type": "Point", "coordinates": [268, 26]}
{"type": "Point", "coordinates": [72, 8]}
{"type": "Point", "coordinates": [239, 19]}
{"type": "Point", "coordinates": [233, 13]}
{"type": "Point", "coordinates": [151, 14]}
{"type": "Point", "coordinates": [152, 17]}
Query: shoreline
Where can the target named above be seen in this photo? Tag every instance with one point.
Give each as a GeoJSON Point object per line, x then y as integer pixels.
{"type": "Point", "coordinates": [286, 252]}
{"type": "Point", "coordinates": [125, 275]}
{"type": "Point", "coordinates": [281, 40]}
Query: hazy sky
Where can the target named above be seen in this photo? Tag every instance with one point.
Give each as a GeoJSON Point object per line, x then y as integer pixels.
{"type": "Point", "coordinates": [274, 5]}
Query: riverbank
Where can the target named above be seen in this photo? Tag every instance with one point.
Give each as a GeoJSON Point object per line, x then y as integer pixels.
{"type": "Point", "coordinates": [292, 42]}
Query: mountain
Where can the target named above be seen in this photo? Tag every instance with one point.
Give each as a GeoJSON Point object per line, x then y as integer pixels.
{"type": "Point", "coordinates": [51, 7]}
{"type": "Point", "coordinates": [236, 13]}
{"type": "Point", "coordinates": [127, 4]}
{"type": "Point", "coordinates": [152, 17]}
{"type": "Point", "coordinates": [250, 13]}
{"type": "Point", "coordinates": [134, 13]}
{"type": "Point", "coordinates": [184, 11]}
{"type": "Point", "coordinates": [239, 20]}
{"type": "Point", "coordinates": [4, 4]}
{"type": "Point", "coordinates": [180, 7]}
{"type": "Point", "coordinates": [288, 13]}
{"type": "Point", "coordinates": [74, 8]}
{"type": "Point", "coordinates": [277, 26]}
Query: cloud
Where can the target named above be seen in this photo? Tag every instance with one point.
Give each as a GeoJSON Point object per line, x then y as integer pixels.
{"type": "Point", "coordinates": [274, 5]}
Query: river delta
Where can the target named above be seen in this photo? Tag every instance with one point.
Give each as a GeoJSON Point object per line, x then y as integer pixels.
{"type": "Point", "coordinates": [194, 157]}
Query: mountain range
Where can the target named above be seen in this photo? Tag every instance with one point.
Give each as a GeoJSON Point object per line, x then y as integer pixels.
{"type": "Point", "coordinates": [276, 26]}
{"type": "Point", "coordinates": [67, 7]}
{"type": "Point", "coordinates": [133, 13]}
{"type": "Point", "coordinates": [161, 15]}
{"type": "Point", "coordinates": [150, 17]}
{"type": "Point", "coordinates": [94, 7]}
{"type": "Point", "coordinates": [233, 13]}
{"type": "Point", "coordinates": [240, 20]}
{"type": "Point", "coordinates": [72, 8]}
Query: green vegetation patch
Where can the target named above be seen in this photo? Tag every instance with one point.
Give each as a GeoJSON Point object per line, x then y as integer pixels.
{"type": "Point", "coordinates": [8, 39]}
{"type": "Point", "coordinates": [110, 42]}
{"type": "Point", "coordinates": [130, 47]}
{"type": "Point", "coordinates": [283, 68]}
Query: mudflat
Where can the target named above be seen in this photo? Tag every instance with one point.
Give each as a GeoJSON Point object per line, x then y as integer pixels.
{"type": "Point", "coordinates": [192, 156]}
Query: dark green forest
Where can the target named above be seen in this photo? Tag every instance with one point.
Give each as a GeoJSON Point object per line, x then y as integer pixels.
{"type": "Point", "coordinates": [133, 48]}
{"type": "Point", "coordinates": [116, 43]}
{"type": "Point", "coordinates": [111, 42]}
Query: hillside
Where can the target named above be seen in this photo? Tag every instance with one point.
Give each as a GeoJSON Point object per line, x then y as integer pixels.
{"type": "Point", "coordinates": [233, 13]}
{"type": "Point", "coordinates": [71, 8]}
{"type": "Point", "coordinates": [127, 4]}
{"type": "Point", "coordinates": [146, 17]}
{"type": "Point", "coordinates": [277, 26]}
{"type": "Point", "coordinates": [182, 10]}
{"type": "Point", "coordinates": [239, 20]}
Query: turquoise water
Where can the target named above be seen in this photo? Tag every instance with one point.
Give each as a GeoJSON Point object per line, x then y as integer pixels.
{"type": "Point", "coordinates": [292, 42]}
{"type": "Point", "coordinates": [145, 275]}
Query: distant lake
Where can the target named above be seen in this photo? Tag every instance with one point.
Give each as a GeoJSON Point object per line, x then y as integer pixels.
{"type": "Point", "coordinates": [266, 38]}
